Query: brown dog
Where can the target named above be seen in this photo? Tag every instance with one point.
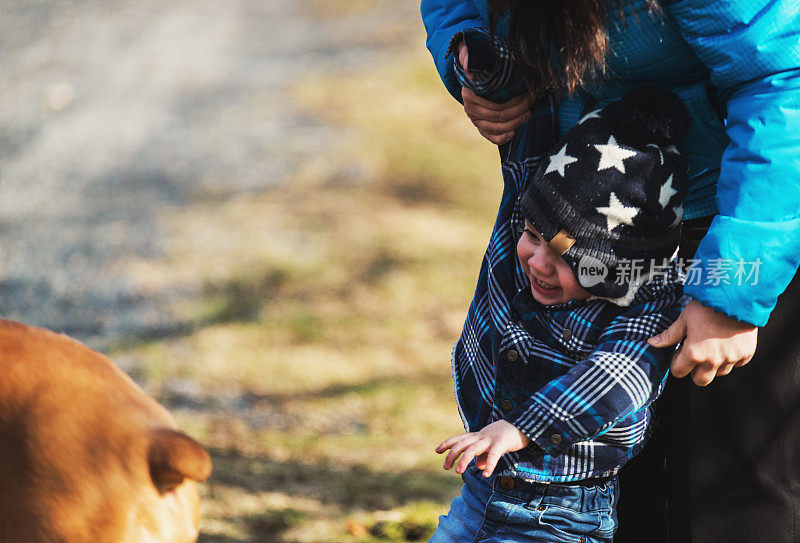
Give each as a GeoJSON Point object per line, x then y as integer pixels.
{"type": "Point", "coordinates": [85, 455]}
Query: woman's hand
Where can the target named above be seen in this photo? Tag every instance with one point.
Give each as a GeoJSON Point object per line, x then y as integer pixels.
{"type": "Point", "coordinates": [495, 122]}
{"type": "Point", "coordinates": [714, 343]}
{"type": "Point", "coordinates": [486, 446]}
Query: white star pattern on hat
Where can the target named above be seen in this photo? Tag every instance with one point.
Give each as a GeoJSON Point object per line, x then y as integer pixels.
{"type": "Point", "coordinates": [560, 161]}
{"type": "Point", "coordinates": [612, 155]}
{"type": "Point", "coordinates": [678, 216]}
{"type": "Point", "coordinates": [617, 213]}
{"type": "Point", "coordinates": [591, 115]}
{"type": "Point", "coordinates": [660, 154]}
{"type": "Point", "coordinates": [667, 192]}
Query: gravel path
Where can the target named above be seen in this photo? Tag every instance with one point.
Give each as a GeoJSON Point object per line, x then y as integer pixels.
{"type": "Point", "coordinates": [115, 112]}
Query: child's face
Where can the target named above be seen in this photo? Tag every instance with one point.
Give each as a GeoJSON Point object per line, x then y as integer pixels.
{"type": "Point", "coordinates": [552, 280]}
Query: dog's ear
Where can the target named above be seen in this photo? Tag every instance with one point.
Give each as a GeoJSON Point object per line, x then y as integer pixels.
{"type": "Point", "coordinates": [174, 456]}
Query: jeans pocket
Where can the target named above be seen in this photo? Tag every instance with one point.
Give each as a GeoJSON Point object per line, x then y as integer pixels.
{"type": "Point", "coordinates": [569, 525]}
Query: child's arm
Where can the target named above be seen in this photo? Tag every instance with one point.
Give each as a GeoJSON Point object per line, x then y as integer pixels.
{"type": "Point", "coordinates": [497, 100]}
{"type": "Point", "coordinates": [486, 446]}
{"type": "Point", "coordinates": [623, 375]}
{"type": "Point", "coordinates": [492, 74]}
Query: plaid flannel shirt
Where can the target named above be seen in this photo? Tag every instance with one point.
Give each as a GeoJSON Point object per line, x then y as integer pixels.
{"type": "Point", "coordinates": [576, 378]}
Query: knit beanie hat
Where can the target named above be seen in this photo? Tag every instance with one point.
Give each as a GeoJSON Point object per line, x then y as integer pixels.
{"type": "Point", "coordinates": [610, 195]}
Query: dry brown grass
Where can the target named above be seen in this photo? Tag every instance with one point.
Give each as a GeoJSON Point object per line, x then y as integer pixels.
{"type": "Point", "coordinates": [318, 373]}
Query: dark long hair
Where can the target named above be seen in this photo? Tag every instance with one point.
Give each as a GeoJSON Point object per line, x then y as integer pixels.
{"type": "Point", "coordinates": [562, 44]}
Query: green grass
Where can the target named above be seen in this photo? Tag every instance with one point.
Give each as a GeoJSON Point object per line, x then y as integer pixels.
{"type": "Point", "coordinates": [316, 368]}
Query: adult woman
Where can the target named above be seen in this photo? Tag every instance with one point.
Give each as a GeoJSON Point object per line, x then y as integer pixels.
{"type": "Point", "coordinates": [732, 449]}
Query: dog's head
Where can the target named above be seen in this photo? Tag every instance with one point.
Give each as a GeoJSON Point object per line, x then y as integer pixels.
{"type": "Point", "coordinates": [86, 454]}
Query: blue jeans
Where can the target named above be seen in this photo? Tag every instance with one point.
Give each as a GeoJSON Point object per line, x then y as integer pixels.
{"type": "Point", "coordinates": [505, 510]}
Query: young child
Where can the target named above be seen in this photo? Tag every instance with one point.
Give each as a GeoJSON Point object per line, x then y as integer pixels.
{"type": "Point", "coordinates": [566, 400]}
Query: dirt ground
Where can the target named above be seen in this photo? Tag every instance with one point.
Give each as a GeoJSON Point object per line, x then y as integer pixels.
{"type": "Point", "coordinates": [270, 214]}
{"type": "Point", "coordinates": [115, 113]}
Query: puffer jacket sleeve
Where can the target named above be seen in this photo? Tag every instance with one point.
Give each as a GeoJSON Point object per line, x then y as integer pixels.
{"type": "Point", "coordinates": [752, 49]}
{"type": "Point", "coordinates": [443, 19]}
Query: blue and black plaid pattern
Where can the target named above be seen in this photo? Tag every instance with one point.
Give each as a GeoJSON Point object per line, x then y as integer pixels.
{"type": "Point", "coordinates": [491, 65]}
{"type": "Point", "coordinates": [591, 385]}
{"type": "Point", "coordinates": [579, 379]}
{"type": "Point", "coordinates": [500, 275]}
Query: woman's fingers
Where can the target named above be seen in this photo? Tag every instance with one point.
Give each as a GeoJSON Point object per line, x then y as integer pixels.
{"type": "Point", "coordinates": [504, 120]}
{"type": "Point", "coordinates": [704, 373]}
{"type": "Point", "coordinates": [726, 368]}
{"type": "Point", "coordinates": [670, 336]}
{"type": "Point", "coordinates": [496, 122]}
{"type": "Point", "coordinates": [714, 344]}
{"type": "Point", "coordinates": [477, 107]}
{"type": "Point", "coordinates": [682, 365]}
{"type": "Point", "coordinates": [694, 360]}
{"type": "Point", "coordinates": [518, 103]}
{"type": "Point", "coordinates": [500, 139]}
{"type": "Point", "coordinates": [704, 369]}
{"type": "Point", "coordinates": [744, 360]}
{"type": "Point", "coordinates": [500, 128]}
{"type": "Point", "coordinates": [705, 362]}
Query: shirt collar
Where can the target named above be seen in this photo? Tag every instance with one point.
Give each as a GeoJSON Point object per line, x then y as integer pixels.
{"type": "Point", "coordinates": [527, 307]}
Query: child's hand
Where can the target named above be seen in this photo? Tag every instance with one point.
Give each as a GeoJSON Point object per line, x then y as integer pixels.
{"type": "Point", "coordinates": [463, 57]}
{"type": "Point", "coordinates": [486, 446]}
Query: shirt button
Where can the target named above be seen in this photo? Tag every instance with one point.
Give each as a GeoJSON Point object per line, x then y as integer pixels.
{"type": "Point", "coordinates": [512, 355]}
{"type": "Point", "coordinates": [566, 334]}
{"type": "Point", "coordinates": [507, 483]}
{"type": "Point", "coordinates": [506, 406]}
{"type": "Point", "coordinates": [556, 439]}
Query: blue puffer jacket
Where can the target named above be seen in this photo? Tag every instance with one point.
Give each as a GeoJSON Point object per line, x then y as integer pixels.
{"type": "Point", "coordinates": [736, 64]}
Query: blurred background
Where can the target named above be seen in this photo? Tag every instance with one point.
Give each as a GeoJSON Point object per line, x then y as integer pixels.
{"type": "Point", "coordinates": [271, 215]}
